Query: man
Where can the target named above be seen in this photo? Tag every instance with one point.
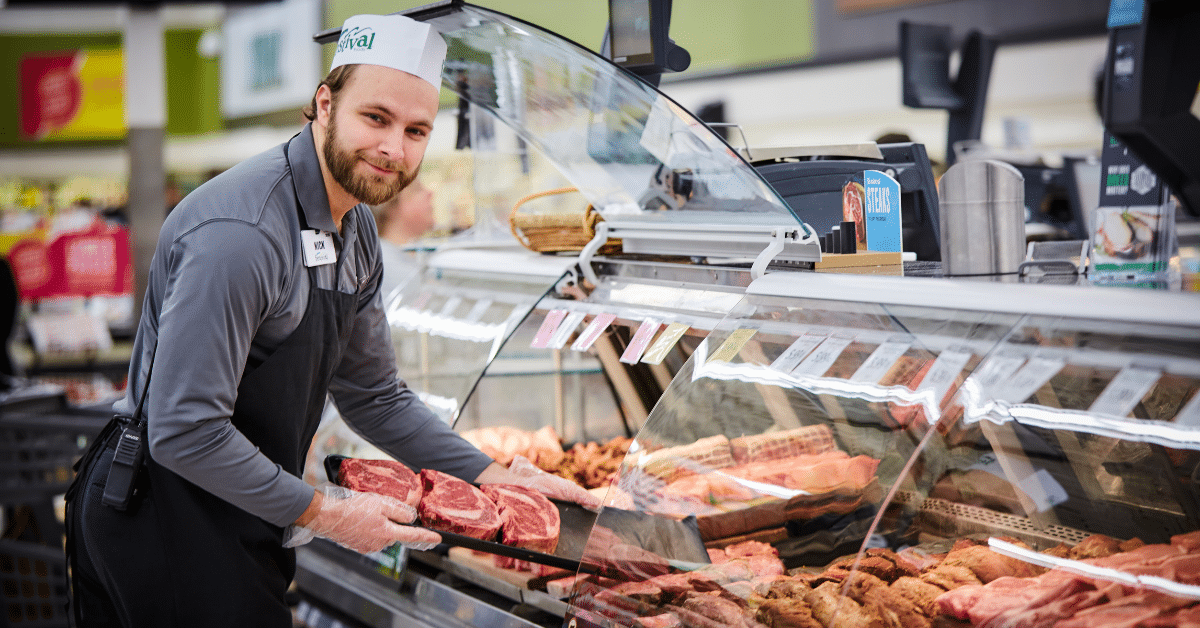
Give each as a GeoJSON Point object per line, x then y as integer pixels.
{"type": "Point", "coordinates": [264, 295]}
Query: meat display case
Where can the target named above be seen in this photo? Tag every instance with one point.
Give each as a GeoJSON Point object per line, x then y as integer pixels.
{"type": "Point", "coordinates": [584, 396]}
{"type": "Point", "coordinates": [870, 429]}
{"type": "Point", "coordinates": [824, 415]}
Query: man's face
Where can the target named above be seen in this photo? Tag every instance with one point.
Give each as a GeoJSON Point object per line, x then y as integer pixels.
{"type": "Point", "coordinates": [377, 131]}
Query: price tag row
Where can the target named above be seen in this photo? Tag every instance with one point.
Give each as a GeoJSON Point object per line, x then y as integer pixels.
{"type": "Point", "coordinates": [1007, 377]}
{"type": "Point", "coordinates": [560, 324]}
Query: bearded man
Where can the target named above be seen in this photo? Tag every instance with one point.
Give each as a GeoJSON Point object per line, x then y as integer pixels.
{"type": "Point", "coordinates": [264, 296]}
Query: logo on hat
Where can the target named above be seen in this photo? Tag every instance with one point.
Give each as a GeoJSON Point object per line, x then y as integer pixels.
{"type": "Point", "coordinates": [358, 38]}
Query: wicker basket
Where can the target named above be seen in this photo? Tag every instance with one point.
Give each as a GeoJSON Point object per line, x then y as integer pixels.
{"type": "Point", "coordinates": [557, 232]}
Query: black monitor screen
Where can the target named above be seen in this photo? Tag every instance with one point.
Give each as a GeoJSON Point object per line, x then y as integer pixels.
{"type": "Point", "coordinates": [632, 39]}
{"type": "Point", "coordinates": [1151, 93]}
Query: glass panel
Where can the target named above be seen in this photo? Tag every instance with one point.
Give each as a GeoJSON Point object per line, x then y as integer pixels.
{"type": "Point", "coordinates": [1058, 486]}
{"type": "Point", "coordinates": [446, 328]}
{"type": "Point", "coordinates": [772, 450]}
{"type": "Point", "coordinates": [631, 151]}
{"type": "Point", "coordinates": [566, 376]}
{"type": "Point", "coordinates": [1107, 415]}
{"type": "Point", "coordinates": [528, 388]}
{"type": "Point", "coordinates": [1074, 472]}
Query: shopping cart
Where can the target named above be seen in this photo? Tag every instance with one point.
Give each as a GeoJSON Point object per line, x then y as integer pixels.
{"type": "Point", "coordinates": [33, 580]}
{"type": "Point", "coordinates": [37, 452]}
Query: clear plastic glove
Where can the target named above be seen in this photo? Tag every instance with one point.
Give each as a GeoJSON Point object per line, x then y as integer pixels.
{"type": "Point", "coordinates": [530, 476]}
{"type": "Point", "coordinates": [363, 522]}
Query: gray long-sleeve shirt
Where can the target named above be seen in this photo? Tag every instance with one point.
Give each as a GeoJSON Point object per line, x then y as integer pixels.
{"type": "Point", "coordinates": [227, 286]}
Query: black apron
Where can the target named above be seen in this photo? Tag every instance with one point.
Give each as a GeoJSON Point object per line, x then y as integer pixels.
{"type": "Point", "coordinates": [182, 556]}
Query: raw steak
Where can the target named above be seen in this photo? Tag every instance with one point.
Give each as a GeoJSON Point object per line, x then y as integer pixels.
{"type": "Point", "coordinates": [386, 477]}
{"type": "Point", "coordinates": [527, 518]}
{"type": "Point", "coordinates": [452, 505]}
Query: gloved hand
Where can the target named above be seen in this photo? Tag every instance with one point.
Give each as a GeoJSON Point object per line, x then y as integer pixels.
{"type": "Point", "coordinates": [530, 476]}
{"type": "Point", "coordinates": [363, 522]}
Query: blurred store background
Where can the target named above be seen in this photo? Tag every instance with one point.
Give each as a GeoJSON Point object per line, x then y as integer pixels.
{"type": "Point", "coordinates": [118, 110]}
{"type": "Point", "coordinates": [101, 86]}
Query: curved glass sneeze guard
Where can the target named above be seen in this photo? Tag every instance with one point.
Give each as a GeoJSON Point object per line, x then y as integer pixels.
{"type": "Point", "coordinates": [630, 150]}
{"type": "Point", "coordinates": [446, 328]}
{"type": "Point", "coordinates": [775, 448]}
{"type": "Point", "coordinates": [857, 464]}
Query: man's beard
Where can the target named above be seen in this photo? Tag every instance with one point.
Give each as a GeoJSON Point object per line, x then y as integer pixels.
{"type": "Point", "coordinates": [367, 188]}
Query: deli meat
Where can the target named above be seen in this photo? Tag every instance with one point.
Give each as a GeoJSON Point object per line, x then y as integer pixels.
{"type": "Point", "coordinates": [386, 477]}
{"type": "Point", "coordinates": [452, 505]}
{"type": "Point", "coordinates": [527, 519]}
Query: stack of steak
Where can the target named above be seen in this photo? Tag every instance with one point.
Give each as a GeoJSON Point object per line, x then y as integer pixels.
{"type": "Point", "coordinates": [514, 515]}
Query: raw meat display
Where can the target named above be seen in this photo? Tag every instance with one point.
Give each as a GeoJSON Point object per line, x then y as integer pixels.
{"type": "Point", "coordinates": [527, 518]}
{"type": "Point", "coordinates": [591, 465]}
{"type": "Point", "coordinates": [886, 589]}
{"type": "Point", "coordinates": [700, 457]}
{"type": "Point", "coordinates": [452, 505]}
{"type": "Point", "coordinates": [813, 474]}
{"type": "Point", "coordinates": [821, 473]}
{"type": "Point", "coordinates": [386, 477]}
{"type": "Point", "coordinates": [681, 593]}
{"type": "Point", "coordinates": [1062, 598]}
{"type": "Point", "coordinates": [810, 440]}
{"type": "Point", "coordinates": [503, 443]}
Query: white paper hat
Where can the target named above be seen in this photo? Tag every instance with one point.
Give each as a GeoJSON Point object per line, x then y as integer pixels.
{"type": "Point", "coordinates": [393, 41]}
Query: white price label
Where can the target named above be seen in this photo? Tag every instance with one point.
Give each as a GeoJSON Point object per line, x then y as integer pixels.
{"type": "Point", "coordinates": [988, 463]}
{"type": "Point", "coordinates": [1028, 379]}
{"type": "Point", "coordinates": [823, 356]}
{"type": "Point", "coordinates": [881, 360]}
{"type": "Point", "coordinates": [1125, 391]}
{"type": "Point", "coordinates": [994, 372]}
{"type": "Point", "coordinates": [592, 332]}
{"type": "Point", "coordinates": [563, 333]}
{"type": "Point", "coordinates": [450, 305]}
{"type": "Point", "coordinates": [1043, 490]}
{"type": "Point", "coordinates": [477, 310]}
{"type": "Point", "coordinates": [941, 375]}
{"type": "Point", "coordinates": [1189, 416]}
{"type": "Point", "coordinates": [790, 358]}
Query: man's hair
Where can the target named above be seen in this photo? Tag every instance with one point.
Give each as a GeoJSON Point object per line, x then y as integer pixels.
{"type": "Point", "coordinates": [336, 80]}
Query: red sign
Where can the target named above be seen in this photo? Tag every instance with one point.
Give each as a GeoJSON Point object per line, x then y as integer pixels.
{"type": "Point", "coordinates": [78, 264]}
{"type": "Point", "coordinates": [51, 92]}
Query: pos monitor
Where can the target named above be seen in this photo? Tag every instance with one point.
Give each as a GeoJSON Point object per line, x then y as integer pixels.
{"type": "Point", "coordinates": [638, 39]}
{"type": "Point", "coordinates": [1151, 102]}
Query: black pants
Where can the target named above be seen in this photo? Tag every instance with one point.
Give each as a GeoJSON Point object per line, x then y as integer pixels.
{"type": "Point", "coordinates": [174, 560]}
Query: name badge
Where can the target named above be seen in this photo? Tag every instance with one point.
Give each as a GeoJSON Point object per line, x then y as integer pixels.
{"type": "Point", "coordinates": [318, 247]}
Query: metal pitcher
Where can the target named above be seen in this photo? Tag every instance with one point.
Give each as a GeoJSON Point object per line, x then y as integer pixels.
{"type": "Point", "coordinates": [982, 218]}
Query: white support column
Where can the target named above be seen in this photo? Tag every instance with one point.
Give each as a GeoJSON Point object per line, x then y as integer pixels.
{"type": "Point", "coordinates": [146, 120]}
